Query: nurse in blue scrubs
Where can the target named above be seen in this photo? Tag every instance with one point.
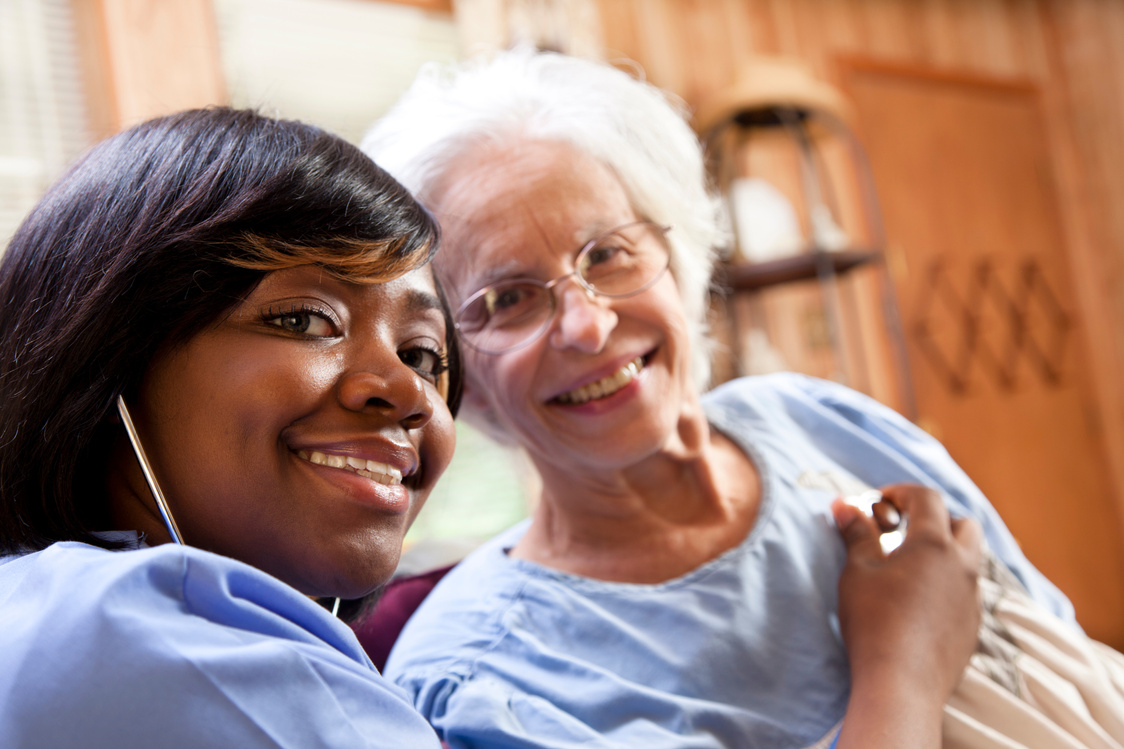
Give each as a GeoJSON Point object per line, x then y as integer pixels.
{"type": "Point", "coordinates": [246, 303]}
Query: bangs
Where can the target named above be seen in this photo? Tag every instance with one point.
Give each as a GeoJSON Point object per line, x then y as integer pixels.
{"type": "Point", "coordinates": [353, 260]}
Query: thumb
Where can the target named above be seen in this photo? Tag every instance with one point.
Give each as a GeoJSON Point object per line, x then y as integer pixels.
{"type": "Point", "coordinates": [860, 532]}
{"type": "Point", "coordinates": [969, 535]}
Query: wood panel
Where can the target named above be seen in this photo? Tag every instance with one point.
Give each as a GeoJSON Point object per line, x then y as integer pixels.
{"type": "Point", "coordinates": [435, 6]}
{"type": "Point", "coordinates": [1071, 51]}
{"type": "Point", "coordinates": [1083, 91]}
{"type": "Point", "coordinates": [147, 58]}
{"type": "Point", "coordinates": [998, 348]}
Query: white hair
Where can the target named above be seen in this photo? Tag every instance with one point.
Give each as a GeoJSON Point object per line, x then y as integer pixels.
{"type": "Point", "coordinates": [639, 131]}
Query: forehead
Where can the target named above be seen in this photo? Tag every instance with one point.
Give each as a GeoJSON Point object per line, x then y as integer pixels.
{"type": "Point", "coordinates": [511, 209]}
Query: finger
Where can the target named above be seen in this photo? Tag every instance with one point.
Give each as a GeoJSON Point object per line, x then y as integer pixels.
{"type": "Point", "coordinates": [968, 534]}
{"type": "Point", "coordinates": [887, 516]}
{"type": "Point", "coordinates": [860, 532]}
{"type": "Point", "coordinates": [844, 513]}
{"type": "Point", "coordinates": [921, 506]}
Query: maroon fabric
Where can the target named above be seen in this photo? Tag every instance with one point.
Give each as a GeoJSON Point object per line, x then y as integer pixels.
{"type": "Point", "coordinates": [380, 628]}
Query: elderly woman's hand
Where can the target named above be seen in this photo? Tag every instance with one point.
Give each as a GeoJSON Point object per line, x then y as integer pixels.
{"type": "Point", "coordinates": [909, 618]}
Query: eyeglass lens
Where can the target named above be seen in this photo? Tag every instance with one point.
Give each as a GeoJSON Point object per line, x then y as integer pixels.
{"type": "Point", "coordinates": [510, 314]}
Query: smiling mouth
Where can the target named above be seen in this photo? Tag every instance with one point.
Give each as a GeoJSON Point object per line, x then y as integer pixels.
{"type": "Point", "coordinates": [370, 469]}
{"type": "Point", "coordinates": [604, 387]}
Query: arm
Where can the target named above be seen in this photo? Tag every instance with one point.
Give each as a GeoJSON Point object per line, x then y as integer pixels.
{"type": "Point", "coordinates": [909, 620]}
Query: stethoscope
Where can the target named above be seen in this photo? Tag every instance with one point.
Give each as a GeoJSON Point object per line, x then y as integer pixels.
{"type": "Point", "coordinates": [146, 468]}
{"type": "Point", "coordinates": [154, 485]}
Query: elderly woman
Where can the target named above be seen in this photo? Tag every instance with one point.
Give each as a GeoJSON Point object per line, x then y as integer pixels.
{"type": "Point", "coordinates": [678, 583]}
{"type": "Point", "coordinates": [245, 303]}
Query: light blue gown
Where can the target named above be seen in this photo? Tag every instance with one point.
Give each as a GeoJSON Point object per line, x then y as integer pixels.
{"type": "Point", "coordinates": [742, 652]}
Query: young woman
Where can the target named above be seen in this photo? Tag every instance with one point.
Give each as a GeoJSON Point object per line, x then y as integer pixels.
{"type": "Point", "coordinates": [252, 299]}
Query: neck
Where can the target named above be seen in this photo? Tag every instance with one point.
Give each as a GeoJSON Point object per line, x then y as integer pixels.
{"type": "Point", "coordinates": [649, 522]}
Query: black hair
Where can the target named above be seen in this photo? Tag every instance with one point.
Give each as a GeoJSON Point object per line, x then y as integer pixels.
{"type": "Point", "coordinates": [147, 240]}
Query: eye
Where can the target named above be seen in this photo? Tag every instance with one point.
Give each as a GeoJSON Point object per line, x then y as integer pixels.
{"type": "Point", "coordinates": [429, 363]}
{"type": "Point", "coordinates": [303, 320]}
{"type": "Point", "coordinates": [610, 256]}
{"type": "Point", "coordinates": [599, 254]}
{"type": "Point", "coordinates": [502, 298]}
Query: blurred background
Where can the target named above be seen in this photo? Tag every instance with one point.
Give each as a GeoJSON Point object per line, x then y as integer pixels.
{"type": "Point", "coordinates": [926, 199]}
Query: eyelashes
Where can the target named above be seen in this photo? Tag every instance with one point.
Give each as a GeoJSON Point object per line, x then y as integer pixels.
{"type": "Point", "coordinates": [308, 320]}
{"type": "Point", "coordinates": [303, 319]}
{"type": "Point", "coordinates": [428, 362]}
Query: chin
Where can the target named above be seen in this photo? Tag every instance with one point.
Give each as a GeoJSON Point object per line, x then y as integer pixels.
{"type": "Point", "coordinates": [342, 575]}
{"type": "Point", "coordinates": [347, 586]}
{"type": "Point", "coordinates": [357, 590]}
{"type": "Point", "coordinates": [362, 580]}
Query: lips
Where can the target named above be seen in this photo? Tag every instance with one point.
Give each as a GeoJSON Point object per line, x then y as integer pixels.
{"type": "Point", "coordinates": [604, 387]}
{"type": "Point", "coordinates": [370, 469]}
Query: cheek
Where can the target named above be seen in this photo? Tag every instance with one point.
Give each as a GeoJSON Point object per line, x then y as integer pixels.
{"type": "Point", "coordinates": [478, 407]}
{"type": "Point", "coordinates": [665, 295]}
{"type": "Point", "coordinates": [440, 441]}
{"type": "Point", "coordinates": [276, 384]}
{"type": "Point", "coordinates": [499, 383]}
{"type": "Point", "coordinates": [210, 405]}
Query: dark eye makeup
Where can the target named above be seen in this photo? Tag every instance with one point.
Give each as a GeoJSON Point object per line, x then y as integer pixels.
{"type": "Point", "coordinates": [430, 362]}
{"type": "Point", "coordinates": [309, 320]}
{"type": "Point", "coordinates": [303, 319]}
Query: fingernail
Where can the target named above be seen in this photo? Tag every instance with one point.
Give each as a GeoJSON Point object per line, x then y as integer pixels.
{"type": "Point", "coordinates": [844, 514]}
{"type": "Point", "coordinates": [864, 501]}
{"type": "Point", "coordinates": [888, 515]}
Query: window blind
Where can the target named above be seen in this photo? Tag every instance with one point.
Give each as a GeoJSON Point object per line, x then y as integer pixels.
{"type": "Point", "coordinates": [43, 118]}
{"type": "Point", "coordinates": [339, 64]}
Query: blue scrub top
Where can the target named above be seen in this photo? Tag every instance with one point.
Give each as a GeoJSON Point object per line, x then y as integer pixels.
{"type": "Point", "coordinates": [176, 647]}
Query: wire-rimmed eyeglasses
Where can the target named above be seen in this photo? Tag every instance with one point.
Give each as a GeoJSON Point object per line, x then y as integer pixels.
{"type": "Point", "coordinates": [508, 315]}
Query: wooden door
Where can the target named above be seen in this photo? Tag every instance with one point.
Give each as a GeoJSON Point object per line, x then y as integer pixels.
{"type": "Point", "coordinates": [994, 340]}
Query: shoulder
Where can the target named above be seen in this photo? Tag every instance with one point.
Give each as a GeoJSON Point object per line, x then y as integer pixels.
{"type": "Point", "coordinates": [70, 585]}
{"type": "Point", "coordinates": [869, 439]}
{"type": "Point", "coordinates": [791, 389]}
{"type": "Point", "coordinates": [806, 403]}
{"type": "Point", "coordinates": [176, 641]}
{"type": "Point", "coordinates": [166, 582]}
{"type": "Point", "coordinates": [465, 615]}
{"type": "Point", "coordinates": [872, 441]}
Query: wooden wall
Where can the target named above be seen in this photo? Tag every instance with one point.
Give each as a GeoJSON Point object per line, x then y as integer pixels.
{"type": "Point", "coordinates": [1071, 52]}
{"type": "Point", "coordinates": [144, 58]}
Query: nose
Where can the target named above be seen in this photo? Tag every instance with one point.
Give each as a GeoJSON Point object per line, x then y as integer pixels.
{"type": "Point", "coordinates": [393, 390]}
{"type": "Point", "coordinates": [583, 320]}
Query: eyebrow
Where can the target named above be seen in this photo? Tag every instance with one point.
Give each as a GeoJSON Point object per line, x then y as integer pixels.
{"type": "Point", "coordinates": [418, 302]}
{"type": "Point", "coordinates": [510, 269]}
{"type": "Point", "coordinates": [497, 272]}
{"type": "Point", "coordinates": [514, 269]}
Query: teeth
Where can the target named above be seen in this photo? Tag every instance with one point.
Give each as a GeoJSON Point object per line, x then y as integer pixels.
{"type": "Point", "coordinates": [604, 387]}
{"type": "Point", "coordinates": [371, 469]}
